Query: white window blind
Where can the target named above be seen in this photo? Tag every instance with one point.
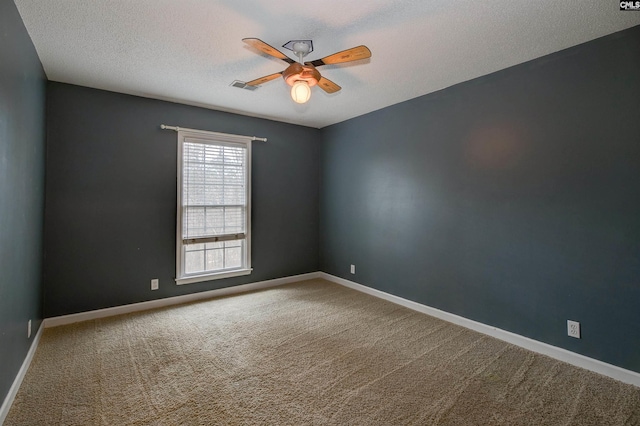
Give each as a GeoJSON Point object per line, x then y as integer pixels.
{"type": "Point", "coordinates": [214, 210]}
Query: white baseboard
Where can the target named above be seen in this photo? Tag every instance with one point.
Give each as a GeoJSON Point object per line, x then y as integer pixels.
{"type": "Point", "coordinates": [176, 300]}
{"type": "Point", "coordinates": [618, 373]}
{"type": "Point", "coordinates": [13, 391]}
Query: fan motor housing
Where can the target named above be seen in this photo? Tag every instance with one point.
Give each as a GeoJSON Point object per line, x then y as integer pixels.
{"type": "Point", "coordinates": [298, 72]}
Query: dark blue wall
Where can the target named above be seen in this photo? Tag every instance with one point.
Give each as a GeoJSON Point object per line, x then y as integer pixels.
{"type": "Point", "coordinates": [110, 222]}
{"type": "Point", "coordinates": [22, 136]}
{"type": "Point", "coordinates": [512, 199]}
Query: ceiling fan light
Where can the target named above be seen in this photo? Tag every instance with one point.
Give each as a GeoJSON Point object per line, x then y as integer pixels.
{"type": "Point", "coordinates": [300, 91]}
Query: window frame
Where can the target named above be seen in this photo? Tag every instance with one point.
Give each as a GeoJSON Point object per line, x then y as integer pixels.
{"type": "Point", "coordinates": [212, 138]}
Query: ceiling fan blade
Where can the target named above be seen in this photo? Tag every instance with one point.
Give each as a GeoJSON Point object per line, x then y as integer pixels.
{"type": "Point", "coordinates": [328, 85]}
{"type": "Point", "coordinates": [269, 50]}
{"type": "Point", "coordinates": [353, 54]}
{"type": "Point", "coordinates": [261, 80]}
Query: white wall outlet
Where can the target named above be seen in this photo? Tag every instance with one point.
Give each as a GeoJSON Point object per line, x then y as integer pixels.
{"type": "Point", "coordinates": [29, 329]}
{"type": "Point", "coordinates": [573, 329]}
{"type": "Point", "coordinates": [353, 269]}
{"type": "Point", "coordinates": [155, 283]}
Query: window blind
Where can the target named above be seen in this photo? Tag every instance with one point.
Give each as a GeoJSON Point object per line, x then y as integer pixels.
{"type": "Point", "coordinates": [214, 204]}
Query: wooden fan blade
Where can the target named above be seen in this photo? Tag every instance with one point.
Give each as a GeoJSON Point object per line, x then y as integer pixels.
{"type": "Point", "coordinates": [266, 78]}
{"type": "Point", "coordinates": [353, 54]}
{"type": "Point", "coordinates": [269, 50]}
{"type": "Point", "coordinates": [328, 85]}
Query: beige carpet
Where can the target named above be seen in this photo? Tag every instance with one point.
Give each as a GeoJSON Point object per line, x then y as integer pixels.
{"type": "Point", "coordinates": [308, 353]}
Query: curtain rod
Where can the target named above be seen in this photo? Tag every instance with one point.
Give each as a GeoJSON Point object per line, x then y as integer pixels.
{"type": "Point", "coordinates": [177, 129]}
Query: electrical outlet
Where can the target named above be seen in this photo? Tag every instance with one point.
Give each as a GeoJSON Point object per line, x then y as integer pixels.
{"type": "Point", "coordinates": [353, 269]}
{"type": "Point", "coordinates": [29, 329]}
{"type": "Point", "coordinates": [573, 329]}
{"type": "Point", "coordinates": [155, 283]}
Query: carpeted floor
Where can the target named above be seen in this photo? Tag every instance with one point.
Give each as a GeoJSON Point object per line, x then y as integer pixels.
{"type": "Point", "coordinates": [308, 353]}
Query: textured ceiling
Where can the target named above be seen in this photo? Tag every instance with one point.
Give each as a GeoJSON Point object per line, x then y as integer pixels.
{"type": "Point", "coordinates": [190, 51]}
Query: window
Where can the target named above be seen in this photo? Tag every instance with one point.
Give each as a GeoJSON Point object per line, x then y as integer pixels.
{"type": "Point", "coordinates": [214, 209]}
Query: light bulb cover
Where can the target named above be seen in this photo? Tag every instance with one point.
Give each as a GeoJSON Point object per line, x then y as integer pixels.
{"type": "Point", "coordinates": [300, 91]}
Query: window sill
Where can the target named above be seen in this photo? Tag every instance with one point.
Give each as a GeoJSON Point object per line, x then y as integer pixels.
{"type": "Point", "coordinates": [213, 276]}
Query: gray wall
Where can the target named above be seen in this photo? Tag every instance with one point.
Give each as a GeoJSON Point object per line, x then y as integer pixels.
{"type": "Point", "coordinates": [22, 127]}
{"type": "Point", "coordinates": [111, 198]}
{"type": "Point", "coordinates": [512, 199]}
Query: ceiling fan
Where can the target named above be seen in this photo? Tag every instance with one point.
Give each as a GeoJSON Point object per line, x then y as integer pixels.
{"type": "Point", "coordinates": [301, 76]}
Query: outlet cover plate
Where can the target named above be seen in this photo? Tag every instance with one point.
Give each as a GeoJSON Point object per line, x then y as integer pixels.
{"type": "Point", "coordinates": [573, 329]}
{"type": "Point", "coordinates": [154, 284]}
{"type": "Point", "coordinates": [353, 269]}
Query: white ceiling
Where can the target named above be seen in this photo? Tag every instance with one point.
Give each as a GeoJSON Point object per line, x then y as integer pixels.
{"type": "Point", "coordinates": [190, 51]}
